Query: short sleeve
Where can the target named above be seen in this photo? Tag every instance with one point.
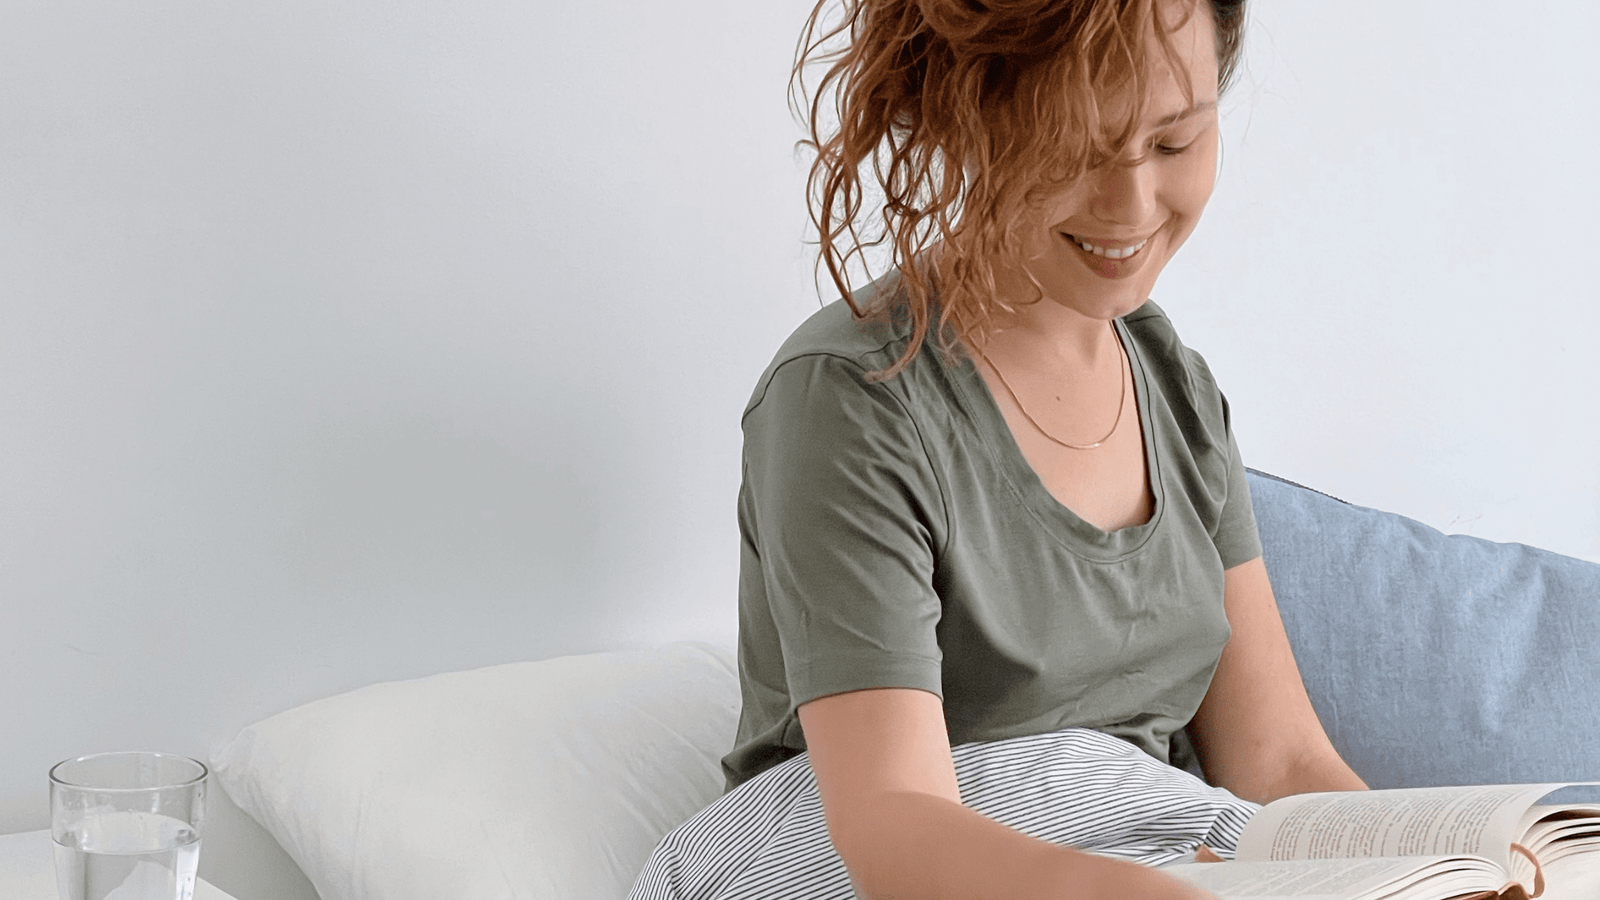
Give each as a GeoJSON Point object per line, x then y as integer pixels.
{"type": "Point", "coordinates": [845, 514]}
{"type": "Point", "coordinates": [1237, 539]}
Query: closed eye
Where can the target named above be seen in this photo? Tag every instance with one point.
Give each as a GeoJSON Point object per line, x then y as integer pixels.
{"type": "Point", "coordinates": [1166, 150]}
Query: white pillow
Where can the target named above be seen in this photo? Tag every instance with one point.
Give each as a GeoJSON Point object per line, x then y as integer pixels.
{"type": "Point", "coordinates": [551, 779]}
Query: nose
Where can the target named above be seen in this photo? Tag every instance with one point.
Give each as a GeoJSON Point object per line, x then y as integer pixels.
{"type": "Point", "coordinates": [1123, 192]}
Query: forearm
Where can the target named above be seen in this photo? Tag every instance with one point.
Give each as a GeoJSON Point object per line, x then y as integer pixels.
{"type": "Point", "coordinates": [1321, 771]}
{"type": "Point", "coordinates": [921, 847]}
{"type": "Point", "coordinates": [1257, 733]}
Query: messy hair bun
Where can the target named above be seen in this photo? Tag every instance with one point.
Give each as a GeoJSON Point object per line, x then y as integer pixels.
{"type": "Point", "coordinates": [958, 104]}
{"type": "Point", "coordinates": [973, 28]}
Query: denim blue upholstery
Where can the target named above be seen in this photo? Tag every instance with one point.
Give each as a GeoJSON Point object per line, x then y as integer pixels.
{"type": "Point", "coordinates": [1433, 658]}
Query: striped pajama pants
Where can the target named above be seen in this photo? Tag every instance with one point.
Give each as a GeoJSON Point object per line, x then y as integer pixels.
{"type": "Point", "coordinates": [767, 839]}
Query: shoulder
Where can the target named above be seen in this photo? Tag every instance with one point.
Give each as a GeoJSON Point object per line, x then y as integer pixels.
{"type": "Point", "coordinates": [1195, 430]}
{"type": "Point", "coordinates": [1156, 335]}
{"type": "Point", "coordinates": [1179, 372]}
{"type": "Point", "coordinates": [833, 350]}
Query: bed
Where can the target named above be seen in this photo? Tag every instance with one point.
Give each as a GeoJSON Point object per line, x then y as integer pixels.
{"type": "Point", "coordinates": [1430, 658]}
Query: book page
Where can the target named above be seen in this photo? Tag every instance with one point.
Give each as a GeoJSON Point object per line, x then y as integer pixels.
{"type": "Point", "coordinates": [1481, 820]}
{"type": "Point", "coordinates": [1557, 831]}
{"type": "Point", "coordinates": [1342, 879]}
{"type": "Point", "coordinates": [1573, 878]}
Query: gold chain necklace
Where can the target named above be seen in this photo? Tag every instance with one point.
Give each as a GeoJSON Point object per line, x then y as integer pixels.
{"type": "Point", "coordinates": [1122, 401]}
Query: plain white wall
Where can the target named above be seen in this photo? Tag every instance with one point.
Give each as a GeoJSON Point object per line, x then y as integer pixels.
{"type": "Point", "coordinates": [344, 342]}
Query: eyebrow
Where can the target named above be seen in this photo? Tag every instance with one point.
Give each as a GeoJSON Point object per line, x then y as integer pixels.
{"type": "Point", "coordinates": [1178, 116]}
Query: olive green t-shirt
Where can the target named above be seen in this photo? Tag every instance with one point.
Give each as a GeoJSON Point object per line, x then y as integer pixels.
{"type": "Point", "coordinates": [893, 535]}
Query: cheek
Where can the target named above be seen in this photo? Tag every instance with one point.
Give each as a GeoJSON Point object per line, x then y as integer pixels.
{"type": "Point", "coordinates": [1193, 180]}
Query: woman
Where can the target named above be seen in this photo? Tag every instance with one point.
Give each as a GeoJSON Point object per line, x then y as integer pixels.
{"type": "Point", "coordinates": [1032, 541]}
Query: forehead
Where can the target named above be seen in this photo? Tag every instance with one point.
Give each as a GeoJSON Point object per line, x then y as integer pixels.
{"type": "Point", "coordinates": [1194, 42]}
{"type": "Point", "coordinates": [1191, 63]}
{"type": "Point", "coordinates": [1194, 48]}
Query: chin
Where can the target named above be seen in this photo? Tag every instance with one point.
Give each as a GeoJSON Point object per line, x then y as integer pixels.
{"type": "Point", "coordinates": [1113, 307]}
{"type": "Point", "coordinates": [1088, 294]}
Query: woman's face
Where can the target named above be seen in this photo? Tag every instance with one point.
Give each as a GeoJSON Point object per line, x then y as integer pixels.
{"type": "Point", "coordinates": [1140, 207]}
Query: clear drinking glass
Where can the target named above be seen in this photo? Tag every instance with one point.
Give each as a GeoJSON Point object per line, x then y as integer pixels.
{"type": "Point", "coordinates": [127, 825]}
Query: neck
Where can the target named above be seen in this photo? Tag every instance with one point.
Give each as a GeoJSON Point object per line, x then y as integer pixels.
{"type": "Point", "coordinates": [1054, 338]}
{"type": "Point", "coordinates": [1045, 333]}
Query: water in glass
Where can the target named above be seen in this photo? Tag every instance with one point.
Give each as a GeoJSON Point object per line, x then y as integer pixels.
{"type": "Point", "coordinates": [128, 856]}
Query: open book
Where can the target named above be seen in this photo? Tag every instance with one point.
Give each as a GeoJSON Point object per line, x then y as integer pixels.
{"type": "Point", "coordinates": [1409, 844]}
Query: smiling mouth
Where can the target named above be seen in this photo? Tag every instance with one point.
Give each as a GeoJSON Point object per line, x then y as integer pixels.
{"type": "Point", "coordinates": [1116, 253]}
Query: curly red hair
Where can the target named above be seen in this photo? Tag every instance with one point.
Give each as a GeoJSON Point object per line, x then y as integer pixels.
{"type": "Point", "coordinates": [958, 104]}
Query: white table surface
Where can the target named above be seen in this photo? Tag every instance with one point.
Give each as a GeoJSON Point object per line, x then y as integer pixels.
{"type": "Point", "coordinates": [28, 869]}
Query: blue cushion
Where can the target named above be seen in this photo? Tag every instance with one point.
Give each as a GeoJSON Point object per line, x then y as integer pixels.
{"type": "Point", "coordinates": [1432, 658]}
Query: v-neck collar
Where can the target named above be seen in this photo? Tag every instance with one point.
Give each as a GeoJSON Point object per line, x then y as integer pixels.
{"type": "Point", "coordinates": [1070, 529]}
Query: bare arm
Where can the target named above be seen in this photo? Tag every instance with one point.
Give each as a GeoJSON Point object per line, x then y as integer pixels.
{"type": "Point", "coordinates": [1256, 732]}
{"type": "Point", "coordinates": [894, 812]}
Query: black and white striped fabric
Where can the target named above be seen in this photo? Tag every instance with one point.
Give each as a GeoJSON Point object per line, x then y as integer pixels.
{"type": "Point", "coordinates": [1076, 787]}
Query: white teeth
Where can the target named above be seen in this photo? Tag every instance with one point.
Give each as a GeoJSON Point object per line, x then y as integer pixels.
{"type": "Point", "coordinates": [1124, 253]}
